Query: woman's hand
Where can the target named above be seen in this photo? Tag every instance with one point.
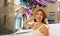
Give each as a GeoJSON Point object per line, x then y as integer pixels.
{"type": "Point", "coordinates": [28, 20]}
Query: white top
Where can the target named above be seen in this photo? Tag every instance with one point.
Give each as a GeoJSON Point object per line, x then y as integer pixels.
{"type": "Point", "coordinates": [37, 32]}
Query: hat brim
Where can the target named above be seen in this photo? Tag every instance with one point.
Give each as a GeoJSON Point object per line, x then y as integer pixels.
{"type": "Point", "coordinates": [44, 9]}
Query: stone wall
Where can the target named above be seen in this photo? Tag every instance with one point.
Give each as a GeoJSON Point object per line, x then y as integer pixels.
{"type": "Point", "coordinates": [8, 12]}
{"type": "Point", "coordinates": [7, 18]}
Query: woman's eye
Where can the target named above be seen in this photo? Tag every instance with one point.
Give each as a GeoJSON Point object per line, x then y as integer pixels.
{"type": "Point", "coordinates": [41, 14]}
{"type": "Point", "coordinates": [37, 14]}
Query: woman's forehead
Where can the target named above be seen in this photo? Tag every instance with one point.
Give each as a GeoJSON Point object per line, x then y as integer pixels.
{"type": "Point", "coordinates": [40, 12]}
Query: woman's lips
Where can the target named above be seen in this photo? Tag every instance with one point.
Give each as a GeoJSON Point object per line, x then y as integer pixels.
{"type": "Point", "coordinates": [39, 18]}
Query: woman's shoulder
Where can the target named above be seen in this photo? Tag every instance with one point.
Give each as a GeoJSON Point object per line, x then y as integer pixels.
{"type": "Point", "coordinates": [46, 25]}
{"type": "Point", "coordinates": [44, 28]}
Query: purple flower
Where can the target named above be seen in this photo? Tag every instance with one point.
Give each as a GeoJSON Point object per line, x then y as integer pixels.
{"type": "Point", "coordinates": [54, 1]}
{"type": "Point", "coordinates": [30, 12]}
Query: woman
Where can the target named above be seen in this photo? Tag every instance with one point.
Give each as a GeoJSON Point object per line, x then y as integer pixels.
{"type": "Point", "coordinates": [40, 28]}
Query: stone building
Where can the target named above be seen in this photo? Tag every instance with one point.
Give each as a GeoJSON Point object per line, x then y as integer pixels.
{"type": "Point", "coordinates": [7, 14]}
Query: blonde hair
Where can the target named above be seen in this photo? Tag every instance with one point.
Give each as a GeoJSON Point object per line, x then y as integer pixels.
{"type": "Point", "coordinates": [44, 14]}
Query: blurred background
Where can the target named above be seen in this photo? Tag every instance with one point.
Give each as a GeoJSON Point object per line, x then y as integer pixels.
{"type": "Point", "coordinates": [14, 12]}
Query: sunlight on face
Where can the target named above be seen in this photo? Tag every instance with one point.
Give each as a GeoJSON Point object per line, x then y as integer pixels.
{"type": "Point", "coordinates": [39, 16]}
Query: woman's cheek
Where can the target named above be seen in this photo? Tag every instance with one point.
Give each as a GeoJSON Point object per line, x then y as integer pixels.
{"type": "Point", "coordinates": [42, 17]}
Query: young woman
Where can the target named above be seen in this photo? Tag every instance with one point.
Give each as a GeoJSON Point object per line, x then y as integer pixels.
{"type": "Point", "coordinates": [40, 28]}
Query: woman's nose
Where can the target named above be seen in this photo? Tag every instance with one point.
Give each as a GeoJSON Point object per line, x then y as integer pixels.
{"type": "Point", "coordinates": [39, 15]}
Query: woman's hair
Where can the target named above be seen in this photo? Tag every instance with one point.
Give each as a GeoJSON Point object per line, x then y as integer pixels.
{"type": "Point", "coordinates": [44, 15]}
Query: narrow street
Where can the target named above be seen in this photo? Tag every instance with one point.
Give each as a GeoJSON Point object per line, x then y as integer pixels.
{"type": "Point", "coordinates": [14, 13]}
{"type": "Point", "coordinates": [54, 28]}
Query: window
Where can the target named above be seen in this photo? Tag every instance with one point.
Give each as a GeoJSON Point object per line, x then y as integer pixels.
{"type": "Point", "coordinates": [6, 2]}
{"type": "Point", "coordinates": [52, 14]}
{"type": "Point", "coordinates": [59, 9]}
{"type": "Point", "coordinates": [4, 19]}
{"type": "Point", "coordinates": [51, 18]}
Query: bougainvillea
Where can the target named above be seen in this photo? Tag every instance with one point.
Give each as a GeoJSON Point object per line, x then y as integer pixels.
{"type": "Point", "coordinates": [33, 3]}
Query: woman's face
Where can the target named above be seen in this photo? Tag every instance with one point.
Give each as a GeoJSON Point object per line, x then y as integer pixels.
{"type": "Point", "coordinates": [39, 16]}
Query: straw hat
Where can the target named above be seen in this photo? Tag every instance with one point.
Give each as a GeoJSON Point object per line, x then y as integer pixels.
{"type": "Point", "coordinates": [44, 9]}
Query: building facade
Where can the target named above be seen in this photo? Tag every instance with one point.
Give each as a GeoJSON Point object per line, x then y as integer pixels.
{"type": "Point", "coordinates": [8, 18]}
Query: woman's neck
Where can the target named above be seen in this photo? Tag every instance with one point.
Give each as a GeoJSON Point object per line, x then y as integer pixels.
{"type": "Point", "coordinates": [39, 23]}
